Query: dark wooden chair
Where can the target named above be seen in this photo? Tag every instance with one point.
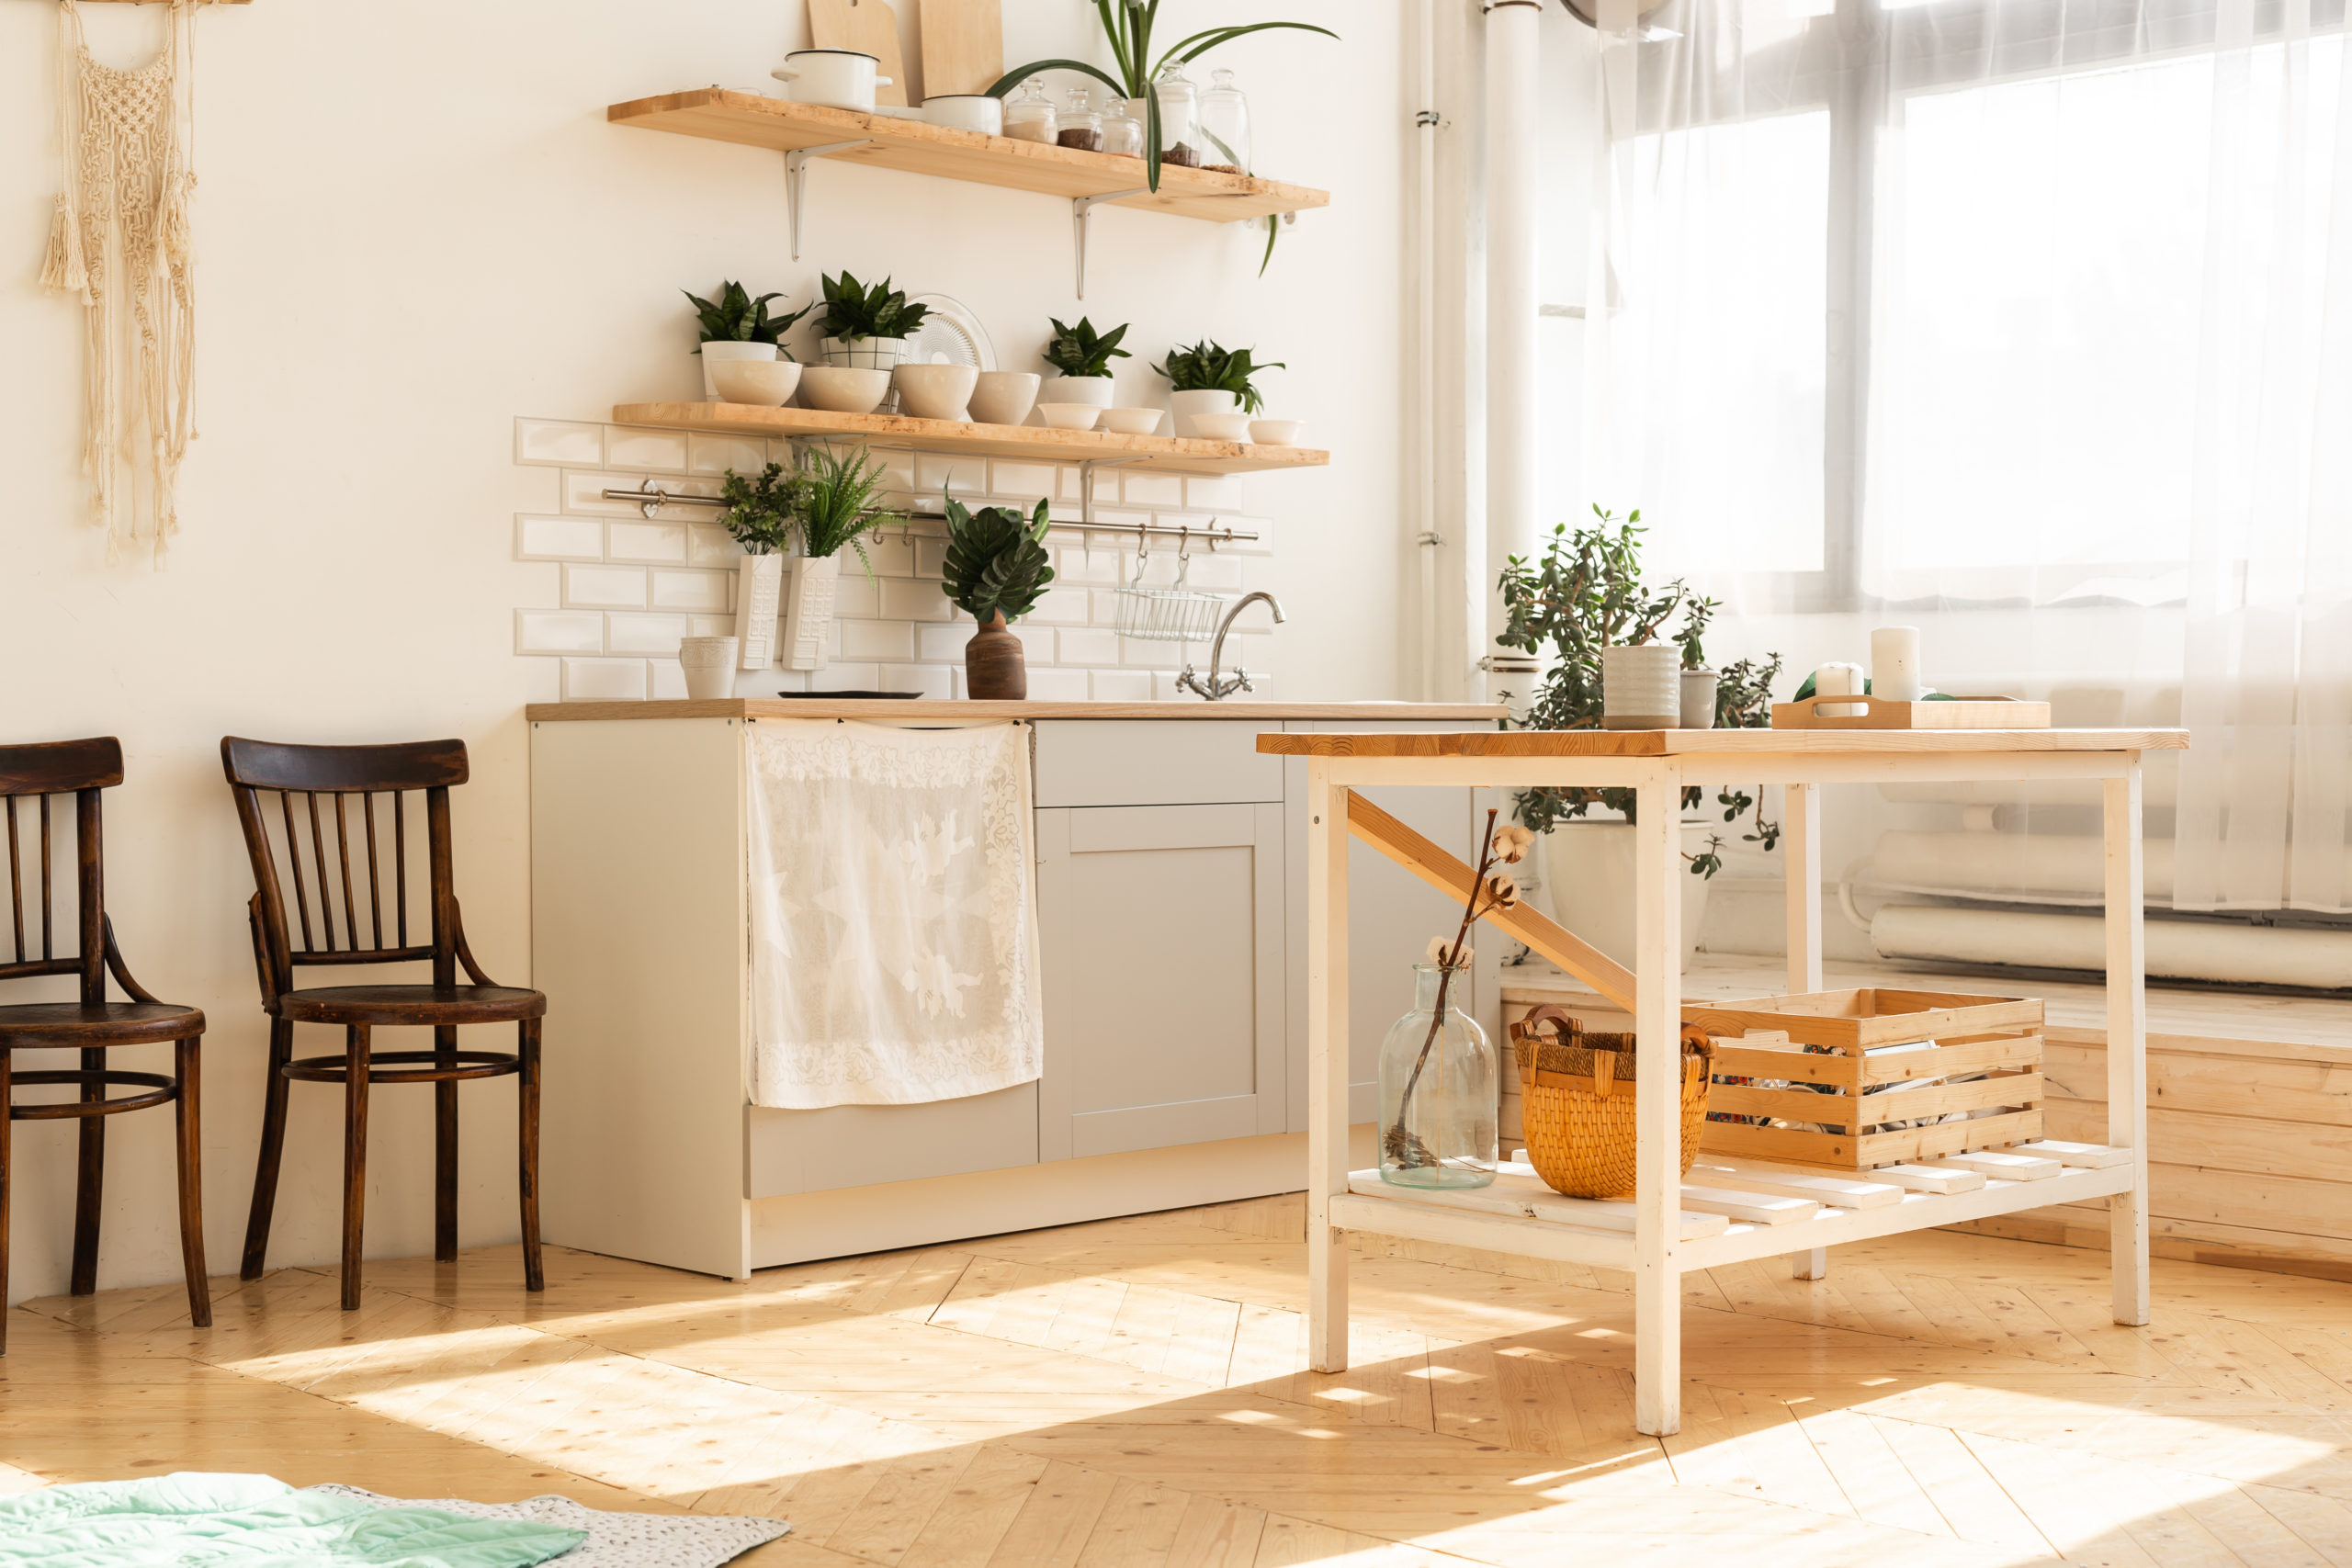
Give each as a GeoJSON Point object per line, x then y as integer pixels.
{"type": "Point", "coordinates": [90, 1024]}
{"type": "Point", "coordinates": [266, 779]}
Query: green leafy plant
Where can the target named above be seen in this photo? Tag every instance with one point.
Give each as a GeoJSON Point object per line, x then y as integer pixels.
{"type": "Point", "coordinates": [1585, 593]}
{"type": "Point", "coordinates": [840, 502]}
{"type": "Point", "coordinates": [996, 560]}
{"type": "Point", "coordinates": [762, 509]}
{"type": "Point", "coordinates": [1206, 368]}
{"type": "Point", "coordinates": [853, 311]}
{"type": "Point", "coordinates": [1077, 351]}
{"type": "Point", "coordinates": [736, 317]}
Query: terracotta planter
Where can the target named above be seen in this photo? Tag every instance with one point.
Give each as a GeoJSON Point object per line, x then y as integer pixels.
{"type": "Point", "coordinates": [993, 671]}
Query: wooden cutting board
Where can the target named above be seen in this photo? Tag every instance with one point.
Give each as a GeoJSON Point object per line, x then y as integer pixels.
{"type": "Point", "coordinates": [870, 26]}
{"type": "Point", "coordinates": [963, 46]}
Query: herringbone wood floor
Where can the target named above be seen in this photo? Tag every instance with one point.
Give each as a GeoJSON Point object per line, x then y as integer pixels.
{"type": "Point", "coordinates": [1133, 1393]}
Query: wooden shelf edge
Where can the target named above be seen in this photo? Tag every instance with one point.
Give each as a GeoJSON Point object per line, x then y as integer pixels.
{"type": "Point", "coordinates": [1164, 453]}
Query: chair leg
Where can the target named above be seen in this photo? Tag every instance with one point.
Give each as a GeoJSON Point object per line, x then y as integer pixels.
{"type": "Point", "coordinates": [191, 1152]}
{"type": "Point", "coordinates": [273, 1145]}
{"type": "Point", "coordinates": [89, 1185]}
{"type": "Point", "coordinates": [7, 1101]}
{"type": "Point", "coordinates": [445, 1151]}
{"type": "Point", "coordinates": [526, 1096]}
{"type": "Point", "coordinates": [355, 1158]}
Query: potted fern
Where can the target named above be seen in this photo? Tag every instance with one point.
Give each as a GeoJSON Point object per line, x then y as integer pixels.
{"type": "Point", "coordinates": [997, 569]}
{"type": "Point", "coordinates": [1208, 380]}
{"type": "Point", "coordinates": [736, 326]}
{"type": "Point", "coordinates": [761, 513]}
{"type": "Point", "coordinates": [1082, 358]}
{"type": "Point", "coordinates": [837, 502]}
{"type": "Point", "coordinates": [864, 327]}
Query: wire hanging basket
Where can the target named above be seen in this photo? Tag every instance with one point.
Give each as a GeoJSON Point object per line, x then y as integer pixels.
{"type": "Point", "coordinates": [1182, 614]}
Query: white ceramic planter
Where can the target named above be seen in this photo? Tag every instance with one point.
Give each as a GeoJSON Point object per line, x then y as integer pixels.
{"type": "Point", "coordinates": [1095, 392]}
{"type": "Point", "coordinates": [864, 352]}
{"type": "Point", "coordinates": [759, 593]}
{"type": "Point", "coordinates": [1004, 397]}
{"type": "Point", "coordinates": [809, 612]}
{"type": "Point", "coordinates": [1187, 406]}
{"type": "Point", "coordinates": [1587, 877]}
{"type": "Point", "coordinates": [935, 391]}
{"type": "Point", "coordinates": [709, 664]}
{"type": "Point", "coordinates": [714, 352]}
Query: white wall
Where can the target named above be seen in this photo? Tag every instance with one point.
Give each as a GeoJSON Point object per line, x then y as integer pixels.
{"type": "Point", "coordinates": [414, 225]}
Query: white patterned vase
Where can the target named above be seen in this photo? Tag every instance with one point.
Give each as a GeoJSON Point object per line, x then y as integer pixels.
{"type": "Point", "coordinates": [759, 594]}
{"type": "Point", "coordinates": [809, 612]}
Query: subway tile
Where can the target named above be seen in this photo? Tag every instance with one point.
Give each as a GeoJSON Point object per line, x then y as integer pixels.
{"type": "Point", "coordinates": [1061, 607]}
{"type": "Point", "coordinates": [931, 558]}
{"type": "Point", "coordinates": [1057, 685]}
{"type": "Point", "coordinates": [710, 626]}
{"type": "Point", "coordinates": [718, 454]}
{"type": "Point", "coordinates": [559, 631]}
{"type": "Point", "coordinates": [878, 639]}
{"type": "Point", "coordinates": [899, 472]}
{"type": "Point", "coordinates": [645, 634]}
{"type": "Point", "coordinates": [1066, 489]}
{"type": "Point", "coordinates": [553, 442]}
{"type": "Point", "coordinates": [709, 545]}
{"type": "Point", "coordinates": [847, 678]}
{"type": "Point", "coordinates": [1078, 564]}
{"type": "Point", "coordinates": [603, 587]}
{"type": "Point", "coordinates": [603, 680]}
{"type": "Point", "coordinates": [936, 681]}
{"type": "Point", "coordinates": [1164, 689]}
{"type": "Point", "coordinates": [1089, 644]}
{"type": "Point", "coordinates": [1213, 492]}
{"type": "Point", "coordinates": [914, 598]}
{"type": "Point", "coordinates": [783, 681]}
{"type": "Point", "coordinates": [1105, 607]}
{"type": "Point", "coordinates": [1218, 573]}
{"type": "Point", "coordinates": [711, 591]}
{"type": "Point", "coordinates": [669, 679]}
{"type": "Point", "coordinates": [1119, 686]}
{"type": "Point", "coordinates": [893, 555]}
{"type": "Point", "coordinates": [656, 544]}
{"type": "Point", "coordinates": [944, 644]}
{"type": "Point", "coordinates": [1140, 652]}
{"type": "Point", "coordinates": [957, 475]}
{"type": "Point", "coordinates": [660, 451]}
{"type": "Point", "coordinates": [856, 596]}
{"type": "Point", "coordinates": [559, 538]}
{"type": "Point", "coordinates": [583, 491]}
{"type": "Point", "coordinates": [1253, 651]}
{"type": "Point", "coordinates": [1151, 489]}
{"type": "Point", "coordinates": [1028, 482]}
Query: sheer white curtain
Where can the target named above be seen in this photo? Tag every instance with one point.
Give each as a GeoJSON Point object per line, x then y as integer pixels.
{"type": "Point", "coordinates": [2028, 321]}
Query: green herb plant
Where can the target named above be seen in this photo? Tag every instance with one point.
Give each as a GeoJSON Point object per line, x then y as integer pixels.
{"type": "Point", "coordinates": [1077, 351]}
{"type": "Point", "coordinates": [853, 310]}
{"type": "Point", "coordinates": [762, 509]}
{"type": "Point", "coordinates": [1585, 593]}
{"type": "Point", "coordinates": [1206, 368]}
{"type": "Point", "coordinates": [840, 502]}
{"type": "Point", "coordinates": [736, 317]}
{"type": "Point", "coordinates": [997, 560]}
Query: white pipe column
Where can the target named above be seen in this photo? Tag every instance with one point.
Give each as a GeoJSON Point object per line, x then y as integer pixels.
{"type": "Point", "coordinates": [1513, 137]}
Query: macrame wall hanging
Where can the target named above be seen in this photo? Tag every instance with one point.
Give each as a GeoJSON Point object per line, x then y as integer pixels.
{"type": "Point", "coordinates": [120, 241]}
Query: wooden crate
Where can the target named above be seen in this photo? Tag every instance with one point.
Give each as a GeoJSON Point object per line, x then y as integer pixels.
{"type": "Point", "coordinates": [1768, 1038]}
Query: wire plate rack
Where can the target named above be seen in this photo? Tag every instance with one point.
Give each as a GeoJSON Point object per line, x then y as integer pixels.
{"type": "Point", "coordinates": [1182, 614]}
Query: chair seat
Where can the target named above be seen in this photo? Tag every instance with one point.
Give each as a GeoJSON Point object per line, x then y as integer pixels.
{"type": "Point", "coordinates": [434, 1006]}
{"type": "Point", "coordinates": [66, 1025]}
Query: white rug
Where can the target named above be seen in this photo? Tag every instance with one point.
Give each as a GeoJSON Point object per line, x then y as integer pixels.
{"type": "Point", "coordinates": [614, 1540]}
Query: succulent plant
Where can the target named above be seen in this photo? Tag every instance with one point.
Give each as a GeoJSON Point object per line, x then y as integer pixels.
{"type": "Point", "coordinates": [1207, 367]}
{"type": "Point", "coordinates": [1079, 351]}
{"type": "Point", "coordinates": [736, 317]}
{"type": "Point", "coordinates": [997, 560]}
{"type": "Point", "coordinates": [855, 311]}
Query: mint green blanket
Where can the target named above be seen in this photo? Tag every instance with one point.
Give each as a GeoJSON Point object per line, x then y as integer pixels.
{"type": "Point", "coordinates": [253, 1521]}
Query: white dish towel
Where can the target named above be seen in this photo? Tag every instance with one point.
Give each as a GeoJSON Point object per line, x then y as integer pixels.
{"type": "Point", "coordinates": [894, 941]}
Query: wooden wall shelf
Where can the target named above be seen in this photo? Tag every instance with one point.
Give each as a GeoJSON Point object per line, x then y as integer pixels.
{"type": "Point", "coordinates": [1163, 453]}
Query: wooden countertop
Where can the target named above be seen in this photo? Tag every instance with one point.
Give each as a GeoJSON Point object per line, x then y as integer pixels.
{"type": "Point", "coordinates": [838, 707]}
{"type": "Point", "coordinates": [1665, 742]}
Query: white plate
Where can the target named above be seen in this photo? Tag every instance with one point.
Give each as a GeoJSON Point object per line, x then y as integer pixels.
{"type": "Point", "coordinates": [950, 335]}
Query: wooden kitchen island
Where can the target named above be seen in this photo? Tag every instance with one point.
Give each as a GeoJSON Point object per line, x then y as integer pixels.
{"type": "Point", "coordinates": [1659, 1241]}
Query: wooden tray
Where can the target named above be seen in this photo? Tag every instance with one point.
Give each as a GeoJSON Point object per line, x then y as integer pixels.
{"type": "Point", "coordinates": [1885, 713]}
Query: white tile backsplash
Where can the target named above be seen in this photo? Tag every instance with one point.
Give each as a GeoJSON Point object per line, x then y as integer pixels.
{"type": "Point", "coordinates": [655, 451]}
{"type": "Point", "coordinates": [583, 491]}
{"type": "Point", "coordinates": [1020, 481]}
{"type": "Point", "coordinates": [711, 591]}
{"type": "Point", "coordinates": [942, 643]}
{"type": "Point", "coordinates": [549, 441]}
{"type": "Point", "coordinates": [936, 681]}
{"type": "Point", "coordinates": [559, 631]}
{"type": "Point", "coordinates": [656, 544]}
{"type": "Point", "coordinates": [1121, 685]}
{"type": "Point", "coordinates": [668, 678]}
{"type": "Point", "coordinates": [956, 475]}
{"type": "Point", "coordinates": [1151, 489]}
{"type": "Point", "coordinates": [1089, 644]}
{"type": "Point", "coordinates": [913, 598]}
{"type": "Point", "coordinates": [603, 680]}
{"type": "Point", "coordinates": [1057, 685]}
{"type": "Point", "coordinates": [878, 640]}
{"type": "Point", "coordinates": [559, 538]}
{"type": "Point", "coordinates": [603, 587]}
{"type": "Point", "coordinates": [708, 545]}
{"type": "Point", "coordinates": [646, 634]}
{"type": "Point", "coordinates": [716, 454]}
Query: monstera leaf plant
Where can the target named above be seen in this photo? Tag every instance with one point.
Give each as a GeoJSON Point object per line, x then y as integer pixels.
{"type": "Point", "coordinates": [997, 569]}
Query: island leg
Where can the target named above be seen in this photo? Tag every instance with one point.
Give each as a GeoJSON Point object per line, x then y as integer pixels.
{"type": "Point", "coordinates": [1657, 1114]}
{"type": "Point", "coordinates": [2127, 1042]}
{"type": "Point", "coordinates": [1326, 1067]}
{"type": "Point", "coordinates": [1801, 841]}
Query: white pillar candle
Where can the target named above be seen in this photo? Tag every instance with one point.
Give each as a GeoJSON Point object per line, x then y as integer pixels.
{"type": "Point", "coordinates": [1895, 664]}
{"type": "Point", "coordinates": [1838, 681]}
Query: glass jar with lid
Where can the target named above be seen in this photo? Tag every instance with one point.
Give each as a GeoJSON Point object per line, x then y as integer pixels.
{"type": "Point", "coordinates": [1179, 117]}
{"type": "Point", "coordinates": [1029, 114]}
{"type": "Point", "coordinates": [1224, 126]}
{"type": "Point", "coordinates": [1080, 127]}
{"type": "Point", "coordinates": [1123, 131]}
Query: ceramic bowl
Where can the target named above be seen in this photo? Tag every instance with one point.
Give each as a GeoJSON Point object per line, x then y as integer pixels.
{"type": "Point", "coordinates": [967, 111]}
{"type": "Point", "coordinates": [935, 391]}
{"type": "Point", "coordinates": [842, 389]}
{"type": "Point", "coordinates": [1004, 397]}
{"type": "Point", "coordinates": [1131, 422]}
{"type": "Point", "coordinates": [764, 383]}
{"type": "Point", "coordinates": [1069, 416]}
{"type": "Point", "coordinates": [1221, 427]}
{"type": "Point", "coordinates": [1274, 432]}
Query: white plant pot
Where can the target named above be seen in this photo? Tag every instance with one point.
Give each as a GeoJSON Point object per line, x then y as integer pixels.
{"type": "Point", "coordinates": [1004, 397]}
{"type": "Point", "coordinates": [714, 352]}
{"type": "Point", "coordinates": [863, 353]}
{"type": "Point", "coordinates": [1588, 877]}
{"type": "Point", "coordinates": [710, 665]}
{"type": "Point", "coordinates": [759, 596]}
{"type": "Point", "coordinates": [1095, 392]}
{"type": "Point", "coordinates": [1188, 406]}
{"type": "Point", "coordinates": [809, 612]}
{"type": "Point", "coordinates": [837, 78]}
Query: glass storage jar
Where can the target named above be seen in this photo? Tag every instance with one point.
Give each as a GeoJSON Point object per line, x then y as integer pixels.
{"type": "Point", "coordinates": [1080, 127]}
{"type": "Point", "coordinates": [1225, 125]}
{"type": "Point", "coordinates": [1123, 127]}
{"type": "Point", "coordinates": [1179, 117]}
{"type": "Point", "coordinates": [1440, 1090]}
{"type": "Point", "coordinates": [1029, 114]}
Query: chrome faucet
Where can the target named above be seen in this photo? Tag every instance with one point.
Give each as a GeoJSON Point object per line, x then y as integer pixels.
{"type": "Point", "coordinates": [1216, 688]}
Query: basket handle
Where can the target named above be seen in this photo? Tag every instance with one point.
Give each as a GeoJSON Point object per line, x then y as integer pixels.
{"type": "Point", "coordinates": [1565, 1025]}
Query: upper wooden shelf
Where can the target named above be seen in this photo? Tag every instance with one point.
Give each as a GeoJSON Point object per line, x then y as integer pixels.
{"type": "Point", "coordinates": [1167, 453]}
{"type": "Point", "coordinates": [917, 147]}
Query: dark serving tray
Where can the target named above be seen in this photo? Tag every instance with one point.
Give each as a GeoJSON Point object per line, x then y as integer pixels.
{"type": "Point", "coordinates": [848, 696]}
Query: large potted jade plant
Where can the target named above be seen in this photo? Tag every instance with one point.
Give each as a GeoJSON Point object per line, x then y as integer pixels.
{"type": "Point", "coordinates": [997, 569]}
{"type": "Point", "coordinates": [1583, 594]}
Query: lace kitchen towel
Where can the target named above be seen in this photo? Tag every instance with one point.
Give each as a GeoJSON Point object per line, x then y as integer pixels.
{"type": "Point", "coordinates": [894, 944]}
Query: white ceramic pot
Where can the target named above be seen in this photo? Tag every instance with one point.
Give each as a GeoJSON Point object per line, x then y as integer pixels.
{"type": "Point", "coordinates": [840, 389]}
{"type": "Point", "coordinates": [1004, 397]}
{"type": "Point", "coordinates": [809, 612]}
{"type": "Point", "coordinates": [762, 383]}
{"type": "Point", "coordinates": [1069, 416]}
{"type": "Point", "coordinates": [1586, 870]}
{"type": "Point", "coordinates": [863, 353]}
{"type": "Point", "coordinates": [1189, 406]}
{"type": "Point", "coordinates": [712, 352]}
{"type": "Point", "coordinates": [1641, 686]}
{"type": "Point", "coordinates": [759, 593]}
{"type": "Point", "coordinates": [935, 391]}
{"type": "Point", "coordinates": [1095, 392]}
{"type": "Point", "coordinates": [837, 78]}
{"type": "Point", "coordinates": [709, 664]}
{"type": "Point", "coordinates": [966, 111]}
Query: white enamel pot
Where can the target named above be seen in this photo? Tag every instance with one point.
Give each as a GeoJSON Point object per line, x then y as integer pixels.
{"type": "Point", "coordinates": [837, 78]}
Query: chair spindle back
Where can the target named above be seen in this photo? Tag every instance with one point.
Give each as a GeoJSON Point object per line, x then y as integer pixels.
{"type": "Point", "coordinates": [35, 774]}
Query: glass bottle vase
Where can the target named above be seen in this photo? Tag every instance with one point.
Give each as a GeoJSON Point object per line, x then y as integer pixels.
{"type": "Point", "coordinates": [1439, 1089]}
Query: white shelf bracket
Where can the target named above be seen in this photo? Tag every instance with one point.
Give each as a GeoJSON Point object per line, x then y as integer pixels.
{"type": "Point", "coordinates": [1086, 468]}
{"type": "Point", "coordinates": [1081, 209]}
{"type": "Point", "coordinates": [796, 176]}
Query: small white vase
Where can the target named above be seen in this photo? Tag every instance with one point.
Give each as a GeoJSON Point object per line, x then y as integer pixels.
{"type": "Point", "coordinates": [709, 664]}
{"type": "Point", "coordinates": [864, 352]}
{"type": "Point", "coordinates": [1188, 406]}
{"type": "Point", "coordinates": [809, 612]}
{"type": "Point", "coordinates": [714, 351]}
{"type": "Point", "coordinates": [1641, 686]}
{"type": "Point", "coordinates": [759, 593]}
{"type": "Point", "coordinates": [1095, 392]}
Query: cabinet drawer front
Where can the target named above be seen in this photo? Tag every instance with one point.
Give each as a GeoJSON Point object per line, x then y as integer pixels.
{"type": "Point", "coordinates": [861, 1145]}
{"type": "Point", "coordinates": [1153, 762]}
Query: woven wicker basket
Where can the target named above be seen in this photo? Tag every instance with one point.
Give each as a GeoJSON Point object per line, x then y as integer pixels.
{"type": "Point", "coordinates": [1576, 1102]}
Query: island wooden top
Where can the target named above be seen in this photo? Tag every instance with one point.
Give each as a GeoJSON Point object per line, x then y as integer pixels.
{"type": "Point", "coordinates": [856, 707]}
{"type": "Point", "coordinates": [1671, 742]}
